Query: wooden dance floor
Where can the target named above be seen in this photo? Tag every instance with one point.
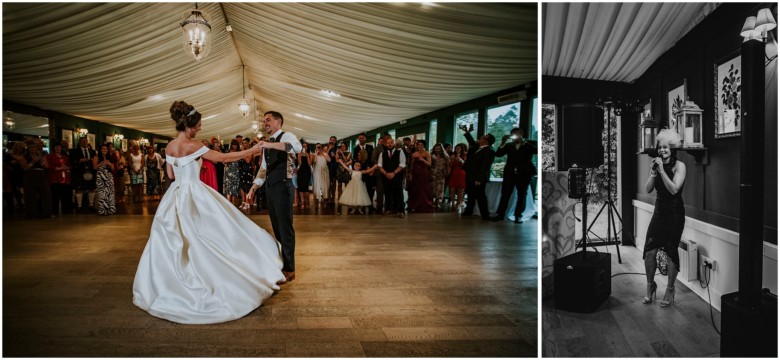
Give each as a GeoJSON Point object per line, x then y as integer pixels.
{"type": "Point", "coordinates": [429, 285]}
{"type": "Point", "coordinates": [624, 327]}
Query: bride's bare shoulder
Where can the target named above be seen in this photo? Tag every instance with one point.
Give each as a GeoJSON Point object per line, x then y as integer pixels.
{"type": "Point", "coordinates": [180, 148]}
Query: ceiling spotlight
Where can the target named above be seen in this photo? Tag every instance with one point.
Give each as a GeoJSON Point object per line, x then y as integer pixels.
{"type": "Point", "coordinates": [329, 93]}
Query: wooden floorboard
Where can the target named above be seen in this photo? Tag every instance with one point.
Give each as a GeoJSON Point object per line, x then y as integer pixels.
{"type": "Point", "coordinates": [624, 327]}
{"type": "Point", "coordinates": [428, 285]}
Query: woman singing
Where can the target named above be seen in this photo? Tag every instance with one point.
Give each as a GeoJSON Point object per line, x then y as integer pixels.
{"type": "Point", "coordinates": [667, 177]}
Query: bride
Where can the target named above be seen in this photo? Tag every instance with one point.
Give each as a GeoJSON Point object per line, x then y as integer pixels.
{"type": "Point", "coordinates": [205, 261]}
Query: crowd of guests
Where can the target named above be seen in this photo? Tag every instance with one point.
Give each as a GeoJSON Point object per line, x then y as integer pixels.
{"type": "Point", "coordinates": [364, 180]}
{"type": "Point", "coordinates": [83, 179]}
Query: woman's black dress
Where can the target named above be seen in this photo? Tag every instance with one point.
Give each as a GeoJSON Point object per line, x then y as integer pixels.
{"type": "Point", "coordinates": [304, 174]}
{"type": "Point", "coordinates": [666, 225]}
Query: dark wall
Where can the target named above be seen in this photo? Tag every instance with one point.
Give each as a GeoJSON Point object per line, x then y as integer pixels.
{"type": "Point", "coordinates": [59, 121]}
{"type": "Point", "coordinates": [446, 116]}
{"type": "Point", "coordinates": [711, 190]}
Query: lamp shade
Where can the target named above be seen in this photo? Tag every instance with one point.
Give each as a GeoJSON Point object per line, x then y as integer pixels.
{"type": "Point", "coordinates": [749, 28]}
{"type": "Point", "coordinates": [765, 21]}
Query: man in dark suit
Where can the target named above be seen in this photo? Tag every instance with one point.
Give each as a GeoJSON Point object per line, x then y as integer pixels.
{"type": "Point", "coordinates": [82, 174]}
{"type": "Point", "coordinates": [479, 159]}
{"type": "Point", "coordinates": [518, 172]}
{"type": "Point", "coordinates": [276, 171]}
{"type": "Point", "coordinates": [392, 164]}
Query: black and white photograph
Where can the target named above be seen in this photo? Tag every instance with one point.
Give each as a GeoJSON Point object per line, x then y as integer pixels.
{"type": "Point", "coordinates": [659, 180]}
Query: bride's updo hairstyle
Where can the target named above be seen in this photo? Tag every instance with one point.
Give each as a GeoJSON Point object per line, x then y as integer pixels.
{"type": "Point", "coordinates": [184, 115]}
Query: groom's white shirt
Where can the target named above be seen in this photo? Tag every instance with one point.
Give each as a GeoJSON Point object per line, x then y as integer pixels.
{"type": "Point", "coordinates": [287, 137]}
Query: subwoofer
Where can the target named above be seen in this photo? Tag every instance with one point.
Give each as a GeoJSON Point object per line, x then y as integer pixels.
{"type": "Point", "coordinates": [582, 281]}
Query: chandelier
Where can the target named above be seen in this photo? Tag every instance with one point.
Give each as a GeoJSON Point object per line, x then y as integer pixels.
{"type": "Point", "coordinates": [243, 105]}
{"type": "Point", "coordinates": [9, 123]}
{"type": "Point", "coordinates": [196, 34]}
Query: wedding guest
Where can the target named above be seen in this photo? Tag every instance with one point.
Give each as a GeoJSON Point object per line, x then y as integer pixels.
{"type": "Point", "coordinates": [208, 172]}
{"type": "Point", "coordinates": [378, 182]}
{"type": "Point", "coordinates": [321, 176]}
{"type": "Point", "coordinates": [333, 167]}
{"type": "Point", "coordinates": [391, 164]}
{"type": "Point", "coordinates": [37, 193]}
{"type": "Point", "coordinates": [304, 175]}
{"type": "Point", "coordinates": [419, 180]}
{"type": "Point", "coordinates": [457, 180]}
{"type": "Point", "coordinates": [16, 174]}
{"type": "Point", "coordinates": [59, 181]}
{"type": "Point", "coordinates": [137, 164]}
{"type": "Point", "coordinates": [355, 195]}
{"type": "Point", "coordinates": [518, 171]}
{"type": "Point", "coordinates": [232, 184]}
{"type": "Point", "coordinates": [478, 162]}
{"type": "Point", "coordinates": [343, 175]}
{"type": "Point", "coordinates": [82, 174]}
{"type": "Point", "coordinates": [153, 172]}
{"type": "Point", "coordinates": [120, 164]}
{"type": "Point", "coordinates": [440, 169]}
{"type": "Point", "coordinates": [106, 200]}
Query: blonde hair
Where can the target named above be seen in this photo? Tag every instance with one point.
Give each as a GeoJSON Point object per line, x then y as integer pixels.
{"type": "Point", "coordinates": [667, 135]}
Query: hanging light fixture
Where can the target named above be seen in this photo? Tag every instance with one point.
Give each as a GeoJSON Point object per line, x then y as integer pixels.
{"type": "Point", "coordinates": [243, 105]}
{"type": "Point", "coordinates": [255, 121]}
{"type": "Point", "coordinates": [9, 123]}
{"type": "Point", "coordinates": [196, 34]}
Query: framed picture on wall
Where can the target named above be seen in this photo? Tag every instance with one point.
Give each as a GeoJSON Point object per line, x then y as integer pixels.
{"type": "Point", "coordinates": [109, 139]}
{"type": "Point", "coordinates": [675, 99]}
{"type": "Point", "coordinates": [728, 96]}
{"type": "Point", "coordinates": [124, 145]}
{"type": "Point", "coordinates": [67, 136]}
{"type": "Point", "coordinates": [91, 141]}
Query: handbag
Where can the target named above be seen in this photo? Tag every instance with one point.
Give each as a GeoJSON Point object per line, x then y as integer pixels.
{"type": "Point", "coordinates": [662, 259]}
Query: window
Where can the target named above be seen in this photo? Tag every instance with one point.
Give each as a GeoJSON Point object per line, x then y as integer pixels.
{"type": "Point", "coordinates": [378, 135]}
{"type": "Point", "coordinates": [468, 119]}
{"type": "Point", "coordinates": [548, 137]}
{"type": "Point", "coordinates": [432, 130]}
{"type": "Point", "coordinates": [500, 121]}
{"type": "Point", "coordinates": [392, 133]}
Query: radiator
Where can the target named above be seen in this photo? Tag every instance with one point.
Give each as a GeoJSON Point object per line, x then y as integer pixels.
{"type": "Point", "coordinates": [689, 260]}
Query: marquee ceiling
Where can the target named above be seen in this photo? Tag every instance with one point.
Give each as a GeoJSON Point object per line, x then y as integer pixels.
{"type": "Point", "coordinates": [124, 63]}
{"type": "Point", "coordinates": [613, 41]}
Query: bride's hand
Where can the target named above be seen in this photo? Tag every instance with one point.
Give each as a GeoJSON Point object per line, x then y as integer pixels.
{"type": "Point", "coordinates": [258, 148]}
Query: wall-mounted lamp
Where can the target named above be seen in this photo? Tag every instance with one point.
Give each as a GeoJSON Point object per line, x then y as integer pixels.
{"type": "Point", "coordinates": [83, 132]}
{"type": "Point", "coordinates": [756, 27]}
{"type": "Point", "coordinates": [9, 123]}
{"type": "Point", "coordinates": [119, 137]}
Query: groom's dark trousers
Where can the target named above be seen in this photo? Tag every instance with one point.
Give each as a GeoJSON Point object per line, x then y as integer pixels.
{"type": "Point", "coordinates": [279, 192]}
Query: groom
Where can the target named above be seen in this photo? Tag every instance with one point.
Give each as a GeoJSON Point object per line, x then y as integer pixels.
{"type": "Point", "coordinates": [276, 171]}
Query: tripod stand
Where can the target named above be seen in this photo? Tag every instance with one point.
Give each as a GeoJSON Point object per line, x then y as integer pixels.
{"type": "Point", "coordinates": [612, 212]}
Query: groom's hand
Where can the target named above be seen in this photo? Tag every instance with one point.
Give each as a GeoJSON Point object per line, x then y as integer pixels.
{"type": "Point", "coordinates": [250, 195]}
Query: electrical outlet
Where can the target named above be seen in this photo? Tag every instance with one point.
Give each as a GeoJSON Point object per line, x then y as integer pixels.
{"type": "Point", "coordinates": [705, 260]}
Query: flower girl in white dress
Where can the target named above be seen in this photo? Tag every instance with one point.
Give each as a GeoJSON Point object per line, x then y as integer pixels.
{"type": "Point", "coordinates": [355, 194]}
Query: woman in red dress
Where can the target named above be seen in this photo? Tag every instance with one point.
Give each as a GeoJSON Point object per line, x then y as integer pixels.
{"type": "Point", "coordinates": [419, 180]}
{"type": "Point", "coordinates": [457, 182]}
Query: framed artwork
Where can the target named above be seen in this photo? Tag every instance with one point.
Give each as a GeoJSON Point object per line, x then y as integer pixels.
{"type": "Point", "coordinates": [109, 139]}
{"type": "Point", "coordinates": [675, 99]}
{"type": "Point", "coordinates": [645, 115]}
{"type": "Point", "coordinates": [124, 145]}
{"type": "Point", "coordinates": [91, 141]}
{"type": "Point", "coordinates": [728, 96]}
{"type": "Point", "coordinates": [67, 136]}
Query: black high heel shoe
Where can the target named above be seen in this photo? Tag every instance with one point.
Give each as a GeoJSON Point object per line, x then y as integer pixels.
{"type": "Point", "coordinates": [650, 289]}
{"type": "Point", "coordinates": [670, 292]}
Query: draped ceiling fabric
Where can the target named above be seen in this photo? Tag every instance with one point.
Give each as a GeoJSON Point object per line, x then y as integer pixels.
{"type": "Point", "coordinates": [613, 41]}
{"type": "Point", "coordinates": [124, 63]}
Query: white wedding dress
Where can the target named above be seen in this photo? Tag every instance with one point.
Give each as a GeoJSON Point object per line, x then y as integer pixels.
{"type": "Point", "coordinates": [205, 261]}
